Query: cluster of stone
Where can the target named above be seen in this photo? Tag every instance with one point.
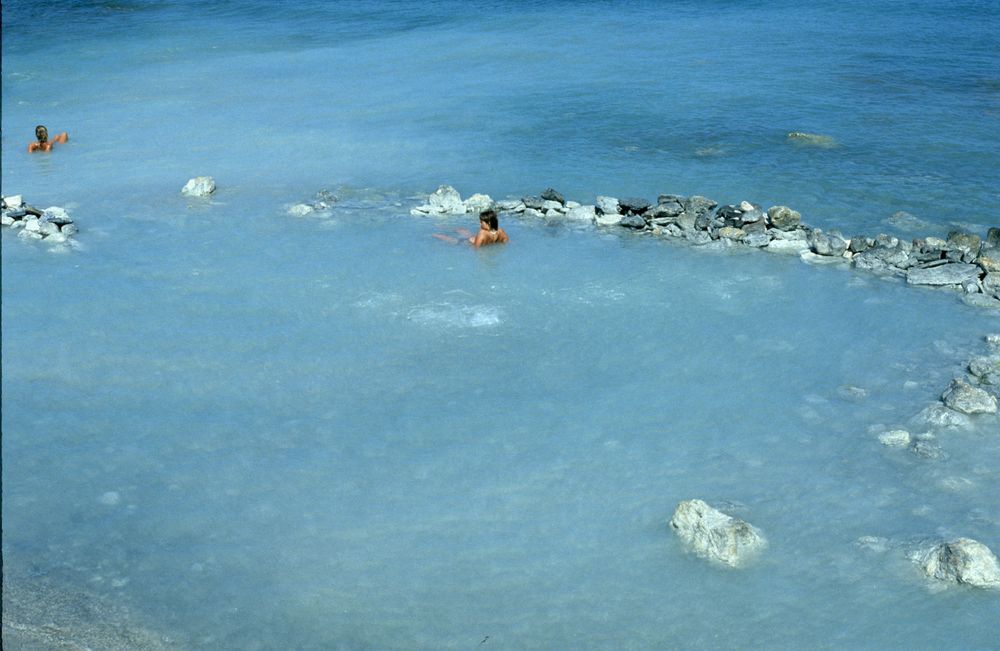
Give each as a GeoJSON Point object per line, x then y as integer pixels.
{"type": "Point", "coordinates": [965, 398]}
{"type": "Point", "coordinates": [963, 261]}
{"type": "Point", "coordinates": [716, 536]}
{"type": "Point", "coordinates": [319, 206]}
{"type": "Point", "coordinates": [52, 225]}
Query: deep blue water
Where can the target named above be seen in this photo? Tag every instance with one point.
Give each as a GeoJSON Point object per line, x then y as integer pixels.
{"type": "Point", "coordinates": [256, 431]}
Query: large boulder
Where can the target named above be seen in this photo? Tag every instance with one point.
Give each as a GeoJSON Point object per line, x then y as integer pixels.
{"type": "Point", "coordinates": [447, 200]}
{"type": "Point", "coordinates": [827, 244]}
{"type": "Point", "coordinates": [199, 186]}
{"type": "Point", "coordinates": [477, 203]}
{"type": "Point", "coordinates": [552, 195]}
{"type": "Point", "coordinates": [963, 397]}
{"type": "Point", "coordinates": [713, 535]}
{"type": "Point", "coordinates": [633, 205]}
{"type": "Point", "coordinates": [582, 213]}
{"type": "Point", "coordinates": [961, 561]}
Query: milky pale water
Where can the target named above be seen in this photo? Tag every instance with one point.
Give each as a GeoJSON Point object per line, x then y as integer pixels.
{"type": "Point", "coordinates": [257, 431]}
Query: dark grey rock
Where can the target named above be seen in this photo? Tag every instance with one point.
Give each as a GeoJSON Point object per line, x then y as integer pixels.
{"type": "Point", "coordinates": [552, 195]}
{"type": "Point", "coordinates": [633, 221]}
{"type": "Point", "coordinates": [697, 238]}
{"type": "Point", "coordinates": [952, 273]}
{"type": "Point", "coordinates": [731, 215]}
{"type": "Point", "coordinates": [993, 238]}
{"type": "Point", "coordinates": [633, 206]}
{"type": "Point", "coordinates": [534, 203]}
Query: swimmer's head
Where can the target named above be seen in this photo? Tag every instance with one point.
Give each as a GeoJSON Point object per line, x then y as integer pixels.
{"type": "Point", "coordinates": [41, 133]}
{"type": "Point", "coordinates": [489, 217]}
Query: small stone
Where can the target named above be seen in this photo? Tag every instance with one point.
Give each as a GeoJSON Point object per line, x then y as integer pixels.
{"type": "Point", "coordinates": [897, 438]}
{"type": "Point", "coordinates": [570, 205]}
{"type": "Point", "coordinates": [301, 210]}
{"type": "Point", "coordinates": [993, 340]}
{"type": "Point", "coordinates": [199, 186]}
{"type": "Point", "coordinates": [850, 392]}
{"type": "Point", "coordinates": [783, 218]}
{"type": "Point", "coordinates": [632, 221]}
{"type": "Point", "coordinates": [33, 225]}
{"type": "Point", "coordinates": [967, 399]}
{"type": "Point", "coordinates": [961, 561]}
{"type": "Point", "coordinates": [25, 234]}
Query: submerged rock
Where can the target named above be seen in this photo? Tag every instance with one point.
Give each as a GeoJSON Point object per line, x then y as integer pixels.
{"type": "Point", "coordinates": [199, 186]}
{"type": "Point", "coordinates": [897, 438]}
{"type": "Point", "coordinates": [962, 396]}
{"type": "Point", "coordinates": [812, 139]}
{"type": "Point", "coordinates": [961, 561]}
{"type": "Point", "coordinates": [714, 535]}
{"type": "Point", "coordinates": [938, 416]}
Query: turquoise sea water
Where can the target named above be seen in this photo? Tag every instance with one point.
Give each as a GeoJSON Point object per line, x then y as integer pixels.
{"type": "Point", "coordinates": [256, 431]}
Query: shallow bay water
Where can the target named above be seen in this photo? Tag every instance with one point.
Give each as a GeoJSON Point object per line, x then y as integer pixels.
{"type": "Point", "coordinates": [258, 431]}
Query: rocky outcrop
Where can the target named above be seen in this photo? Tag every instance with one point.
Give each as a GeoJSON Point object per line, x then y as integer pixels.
{"type": "Point", "coordinates": [714, 535]}
{"type": "Point", "coordinates": [52, 226]}
{"type": "Point", "coordinates": [199, 186]}
{"type": "Point", "coordinates": [961, 561]}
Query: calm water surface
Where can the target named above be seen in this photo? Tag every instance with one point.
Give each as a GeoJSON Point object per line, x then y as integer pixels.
{"type": "Point", "coordinates": [256, 431]}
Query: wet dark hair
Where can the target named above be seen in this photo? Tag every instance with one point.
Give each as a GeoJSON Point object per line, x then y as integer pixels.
{"type": "Point", "coordinates": [490, 217]}
{"type": "Point", "coordinates": [41, 126]}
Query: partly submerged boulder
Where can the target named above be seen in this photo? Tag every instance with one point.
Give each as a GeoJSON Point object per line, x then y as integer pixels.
{"type": "Point", "coordinates": [962, 396]}
{"type": "Point", "coordinates": [961, 561]}
{"type": "Point", "coordinates": [199, 186]}
{"type": "Point", "coordinates": [712, 534]}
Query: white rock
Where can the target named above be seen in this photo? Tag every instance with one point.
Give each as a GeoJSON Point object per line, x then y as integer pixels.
{"type": "Point", "coordinates": [47, 228]}
{"type": "Point", "coordinates": [608, 220]}
{"type": "Point", "coordinates": [553, 214]}
{"type": "Point", "coordinates": [938, 416]}
{"type": "Point", "coordinates": [961, 561]}
{"type": "Point", "coordinates": [582, 213]}
{"type": "Point", "coordinates": [714, 535]}
{"type": "Point", "coordinates": [608, 205]}
{"type": "Point", "coordinates": [14, 201]}
{"type": "Point", "coordinates": [32, 224]}
{"type": "Point", "coordinates": [18, 223]}
{"type": "Point", "coordinates": [548, 205]}
{"type": "Point", "coordinates": [5, 220]}
{"type": "Point", "coordinates": [897, 438]}
{"type": "Point", "coordinates": [793, 247]}
{"type": "Point", "coordinates": [993, 340]}
{"type": "Point", "coordinates": [570, 205]}
{"type": "Point", "coordinates": [56, 238]}
{"type": "Point", "coordinates": [69, 229]}
{"type": "Point", "coordinates": [56, 215]}
{"type": "Point", "coordinates": [199, 186]}
{"type": "Point", "coordinates": [477, 203]}
{"type": "Point", "coordinates": [531, 212]}
{"type": "Point", "coordinates": [301, 210]}
{"type": "Point", "coordinates": [746, 206]}
{"type": "Point", "coordinates": [447, 200]}
{"type": "Point", "coordinates": [30, 235]}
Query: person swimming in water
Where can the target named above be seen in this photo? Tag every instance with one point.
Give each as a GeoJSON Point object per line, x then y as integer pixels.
{"type": "Point", "coordinates": [489, 230]}
{"type": "Point", "coordinates": [43, 143]}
